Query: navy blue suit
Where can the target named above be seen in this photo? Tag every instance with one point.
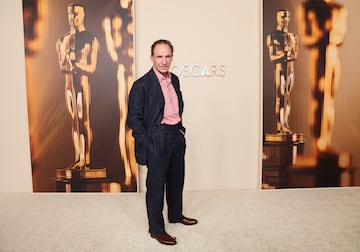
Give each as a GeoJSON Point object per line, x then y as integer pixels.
{"type": "Point", "coordinates": [160, 147]}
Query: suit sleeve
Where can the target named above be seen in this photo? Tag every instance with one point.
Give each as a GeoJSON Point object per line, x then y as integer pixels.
{"type": "Point", "coordinates": [135, 121]}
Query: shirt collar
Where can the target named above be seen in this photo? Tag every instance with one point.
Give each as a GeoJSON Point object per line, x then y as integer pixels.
{"type": "Point", "coordinates": [163, 79]}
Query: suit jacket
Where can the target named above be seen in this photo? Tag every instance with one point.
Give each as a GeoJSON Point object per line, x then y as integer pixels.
{"type": "Point", "coordinates": [146, 110]}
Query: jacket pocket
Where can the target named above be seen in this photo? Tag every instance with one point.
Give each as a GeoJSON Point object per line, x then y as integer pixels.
{"type": "Point", "coordinates": [141, 152]}
{"type": "Point", "coordinates": [156, 143]}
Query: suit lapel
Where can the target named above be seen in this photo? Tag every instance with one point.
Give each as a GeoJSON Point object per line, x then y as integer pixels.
{"type": "Point", "coordinates": [176, 85]}
{"type": "Point", "coordinates": [155, 90]}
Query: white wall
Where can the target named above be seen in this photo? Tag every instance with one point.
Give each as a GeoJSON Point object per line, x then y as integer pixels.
{"type": "Point", "coordinates": [15, 164]}
{"type": "Point", "coordinates": [222, 114]}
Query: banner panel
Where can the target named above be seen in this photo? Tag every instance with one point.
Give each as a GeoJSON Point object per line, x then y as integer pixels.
{"type": "Point", "coordinates": [310, 120]}
{"type": "Point", "coordinates": [79, 70]}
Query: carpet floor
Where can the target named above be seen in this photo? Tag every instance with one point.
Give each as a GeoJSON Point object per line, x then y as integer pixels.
{"type": "Point", "coordinates": [323, 219]}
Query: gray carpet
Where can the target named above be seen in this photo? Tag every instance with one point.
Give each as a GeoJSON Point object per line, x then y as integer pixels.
{"type": "Point", "coordinates": [326, 219]}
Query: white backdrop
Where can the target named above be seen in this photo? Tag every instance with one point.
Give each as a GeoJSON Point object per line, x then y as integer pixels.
{"type": "Point", "coordinates": [222, 108]}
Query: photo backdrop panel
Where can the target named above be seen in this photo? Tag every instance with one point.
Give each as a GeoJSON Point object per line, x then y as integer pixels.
{"type": "Point", "coordinates": [79, 70]}
{"type": "Point", "coordinates": [321, 146]}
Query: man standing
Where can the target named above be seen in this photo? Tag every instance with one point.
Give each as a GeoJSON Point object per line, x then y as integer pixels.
{"type": "Point", "coordinates": [77, 54]}
{"type": "Point", "coordinates": [154, 114]}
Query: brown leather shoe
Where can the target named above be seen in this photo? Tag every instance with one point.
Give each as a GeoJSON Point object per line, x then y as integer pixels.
{"type": "Point", "coordinates": [164, 238]}
{"type": "Point", "coordinates": [186, 221]}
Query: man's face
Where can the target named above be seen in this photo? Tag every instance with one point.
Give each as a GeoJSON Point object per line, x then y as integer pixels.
{"type": "Point", "coordinates": [76, 16]}
{"type": "Point", "coordinates": [162, 58]}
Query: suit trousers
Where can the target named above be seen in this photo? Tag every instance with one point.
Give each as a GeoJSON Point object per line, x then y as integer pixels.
{"type": "Point", "coordinates": [166, 172]}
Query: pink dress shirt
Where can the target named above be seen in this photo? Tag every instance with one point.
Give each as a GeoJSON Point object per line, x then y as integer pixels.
{"type": "Point", "coordinates": [171, 110]}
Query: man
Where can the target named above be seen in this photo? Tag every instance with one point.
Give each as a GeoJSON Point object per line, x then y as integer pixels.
{"type": "Point", "coordinates": [154, 114]}
{"type": "Point", "coordinates": [77, 55]}
{"type": "Point", "coordinates": [283, 50]}
{"type": "Point", "coordinates": [322, 24]}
